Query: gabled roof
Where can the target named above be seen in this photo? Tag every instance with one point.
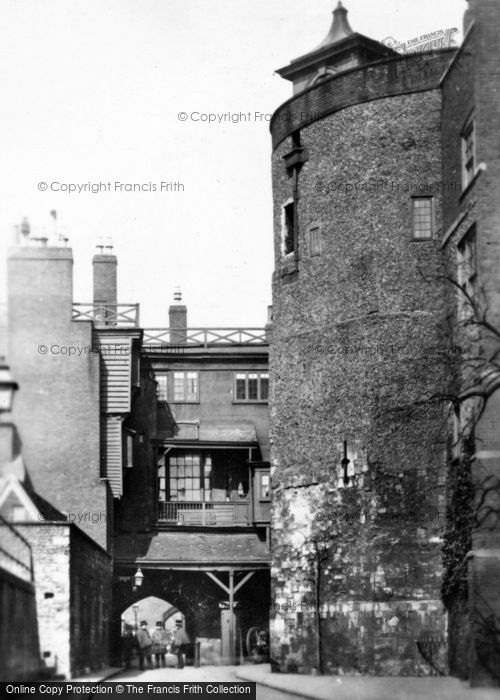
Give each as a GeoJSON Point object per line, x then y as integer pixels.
{"type": "Point", "coordinates": [13, 492]}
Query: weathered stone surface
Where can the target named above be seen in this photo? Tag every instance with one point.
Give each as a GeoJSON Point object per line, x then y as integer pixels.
{"type": "Point", "coordinates": [360, 344]}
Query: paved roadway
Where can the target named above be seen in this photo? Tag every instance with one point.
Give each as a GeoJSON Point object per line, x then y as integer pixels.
{"type": "Point", "coordinates": [203, 674]}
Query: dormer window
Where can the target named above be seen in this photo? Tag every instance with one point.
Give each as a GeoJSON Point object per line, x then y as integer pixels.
{"type": "Point", "coordinates": [323, 74]}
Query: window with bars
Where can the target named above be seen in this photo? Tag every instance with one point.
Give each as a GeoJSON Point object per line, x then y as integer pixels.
{"type": "Point", "coordinates": [162, 388]}
{"type": "Point", "coordinates": [185, 386]}
{"type": "Point", "coordinates": [251, 386]}
{"type": "Point", "coordinates": [422, 218]}
{"type": "Point", "coordinates": [468, 154]}
{"type": "Point", "coordinates": [186, 477]}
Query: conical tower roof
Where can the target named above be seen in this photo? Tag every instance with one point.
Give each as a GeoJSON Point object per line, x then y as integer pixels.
{"type": "Point", "coordinates": [340, 28]}
{"type": "Point", "coordinates": [341, 49]}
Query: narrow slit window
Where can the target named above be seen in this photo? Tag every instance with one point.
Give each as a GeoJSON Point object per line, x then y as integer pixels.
{"type": "Point", "coordinates": [288, 242]}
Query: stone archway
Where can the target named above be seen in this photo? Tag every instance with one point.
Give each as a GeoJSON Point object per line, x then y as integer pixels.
{"type": "Point", "coordinates": [200, 599]}
{"type": "Point", "coordinates": [150, 608]}
{"type": "Point", "coordinates": [125, 597]}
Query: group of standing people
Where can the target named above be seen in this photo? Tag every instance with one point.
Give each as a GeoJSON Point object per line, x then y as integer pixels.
{"type": "Point", "coordinates": [157, 644]}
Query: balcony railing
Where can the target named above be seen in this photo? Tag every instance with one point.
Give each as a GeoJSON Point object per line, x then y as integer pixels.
{"type": "Point", "coordinates": [208, 513]}
{"type": "Point", "coordinates": [104, 315]}
{"type": "Point", "coordinates": [203, 337]}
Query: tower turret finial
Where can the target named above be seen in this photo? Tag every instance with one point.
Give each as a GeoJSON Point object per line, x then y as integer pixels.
{"type": "Point", "coordinates": [340, 28]}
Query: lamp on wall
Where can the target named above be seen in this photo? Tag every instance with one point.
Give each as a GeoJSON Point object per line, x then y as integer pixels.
{"type": "Point", "coordinates": [137, 579]}
{"type": "Point", "coordinates": [7, 387]}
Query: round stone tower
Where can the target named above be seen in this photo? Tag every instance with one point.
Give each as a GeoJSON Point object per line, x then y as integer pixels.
{"type": "Point", "coordinates": [360, 351]}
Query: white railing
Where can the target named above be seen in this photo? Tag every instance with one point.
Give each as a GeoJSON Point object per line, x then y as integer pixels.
{"type": "Point", "coordinates": [113, 315]}
{"type": "Point", "coordinates": [204, 337]}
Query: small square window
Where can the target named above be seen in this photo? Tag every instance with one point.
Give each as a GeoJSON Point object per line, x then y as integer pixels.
{"type": "Point", "coordinates": [422, 218]}
{"type": "Point", "coordinates": [186, 386]}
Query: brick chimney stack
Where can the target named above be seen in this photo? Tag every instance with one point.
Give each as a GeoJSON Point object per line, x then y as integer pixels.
{"type": "Point", "coordinates": [177, 314]}
{"type": "Point", "coordinates": [105, 266]}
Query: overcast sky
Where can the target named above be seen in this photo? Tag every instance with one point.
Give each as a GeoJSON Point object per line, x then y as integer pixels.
{"type": "Point", "coordinates": [91, 92]}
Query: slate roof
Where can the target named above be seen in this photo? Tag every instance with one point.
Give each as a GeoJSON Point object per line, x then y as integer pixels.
{"type": "Point", "coordinates": [191, 547]}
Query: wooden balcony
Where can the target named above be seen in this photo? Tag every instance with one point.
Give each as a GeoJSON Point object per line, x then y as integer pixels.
{"type": "Point", "coordinates": [205, 513]}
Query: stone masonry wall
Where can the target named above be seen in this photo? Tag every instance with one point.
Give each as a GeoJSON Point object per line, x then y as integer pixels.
{"type": "Point", "coordinates": [360, 349]}
{"type": "Point", "coordinates": [50, 547]}
{"type": "Point", "coordinates": [72, 578]}
{"type": "Point", "coordinates": [470, 93]}
{"type": "Point", "coordinates": [90, 608]}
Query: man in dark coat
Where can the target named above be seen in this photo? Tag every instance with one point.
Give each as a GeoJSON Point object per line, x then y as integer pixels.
{"type": "Point", "coordinates": [145, 643]}
{"type": "Point", "coordinates": [128, 644]}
